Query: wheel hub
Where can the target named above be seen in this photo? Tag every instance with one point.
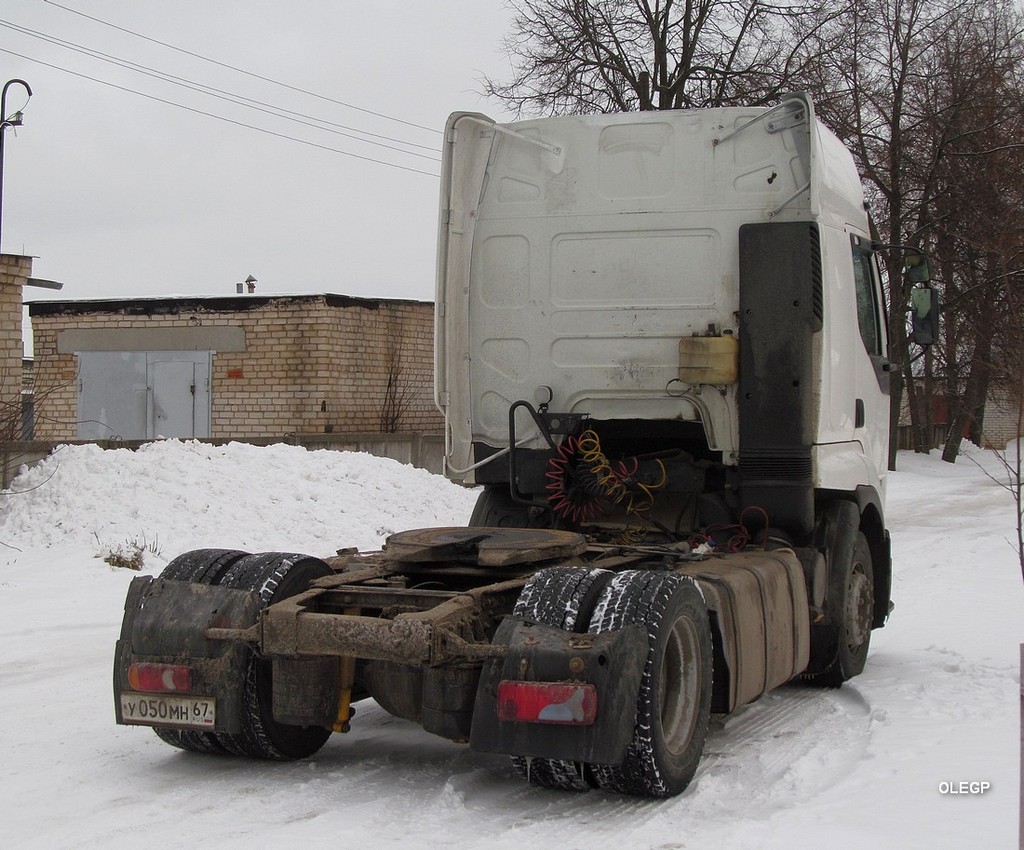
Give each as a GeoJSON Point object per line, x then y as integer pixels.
{"type": "Point", "coordinates": [858, 609]}
{"type": "Point", "coordinates": [681, 683]}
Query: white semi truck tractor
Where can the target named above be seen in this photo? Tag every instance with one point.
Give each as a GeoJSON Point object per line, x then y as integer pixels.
{"type": "Point", "coordinates": [661, 358]}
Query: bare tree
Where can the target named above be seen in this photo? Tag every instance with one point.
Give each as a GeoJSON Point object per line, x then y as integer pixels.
{"type": "Point", "coordinates": [1011, 461]}
{"type": "Point", "coordinates": [976, 224]}
{"type": "Point", "coordinates": [11, 407]}
{"type": "Point", "coordinates": [398, 392]}
{"type": "Point", "coordinates": [927, 94]}
{"type": "Point", "coordinates": [574, 56]}
{"type": "Point", "coordinates": [907, 84]}
{"type": "Point", "coordinates": [864, 83]}
{"type": "Point", "coordinates": [1011, 476]}
{"type": "Point", "coordinates": [24, 403]}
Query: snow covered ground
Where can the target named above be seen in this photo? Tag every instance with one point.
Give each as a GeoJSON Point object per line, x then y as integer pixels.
{"type": "Point", "coordinates": [864, 766]}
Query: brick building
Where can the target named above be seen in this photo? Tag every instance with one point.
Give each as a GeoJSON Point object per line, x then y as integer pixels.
{"type": "Point", "coordinates": [1002, 416]}
{"type": "Point", "coordinates": [239, 366]}
{"type": "Point", "coordinates": [15, 272]}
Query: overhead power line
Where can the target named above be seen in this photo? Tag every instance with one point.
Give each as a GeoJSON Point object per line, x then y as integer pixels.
{"type": "Point", "coordinates": [240, 70]}
{"type": "Point", "coordinates": [230, 97]}
{"type": "Point", "coordinates": [218, 117]}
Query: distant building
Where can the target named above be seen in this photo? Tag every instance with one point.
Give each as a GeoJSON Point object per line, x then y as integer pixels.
{"type": "Point", "coordinates": [16, 384]}
{"type": "Point", "coordinates": [238, 366]}
{"type": "Point", "coordinates": [1002, 416]}
{"type": "Point", "coordinates": [15, 272]}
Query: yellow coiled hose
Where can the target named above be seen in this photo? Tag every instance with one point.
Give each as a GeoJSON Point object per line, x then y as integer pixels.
{"type": "Point", "coordinates": [620, 486]}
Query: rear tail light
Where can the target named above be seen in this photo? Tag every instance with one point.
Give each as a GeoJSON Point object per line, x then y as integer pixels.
{"type": "Point", "coordinates": [160, 678]}
{"type": "Point", "coordinates": [547, 702]}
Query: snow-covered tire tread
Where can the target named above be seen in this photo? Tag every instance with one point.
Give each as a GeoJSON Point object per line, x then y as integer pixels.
{"type": "Point", "coordinates": [658, 601]}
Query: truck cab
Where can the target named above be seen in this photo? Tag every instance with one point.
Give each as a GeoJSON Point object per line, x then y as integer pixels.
{"type": "Point", "coordinates": [697, 289]}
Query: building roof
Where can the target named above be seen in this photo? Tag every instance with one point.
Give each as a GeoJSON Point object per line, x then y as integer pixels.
{"type": "Point", "coordinates": [174, 304]}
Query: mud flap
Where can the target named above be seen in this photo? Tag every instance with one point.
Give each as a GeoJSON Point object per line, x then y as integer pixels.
{"type": "Point", "coordinates": [166, 621]}
{"type": "Point", "coordinates": [612, 661]}
{"type": "Point", "coordinates": [837, 534]}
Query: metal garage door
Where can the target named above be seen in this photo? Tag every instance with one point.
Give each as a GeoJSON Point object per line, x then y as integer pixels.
{"type": "Point", "coordinates": [138, 395]}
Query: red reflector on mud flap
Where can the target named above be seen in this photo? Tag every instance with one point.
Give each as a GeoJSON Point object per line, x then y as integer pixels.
{"type": "Point", "coordinates": [547, 702]}
{"type": "Point", "coordinates": [160, 678]}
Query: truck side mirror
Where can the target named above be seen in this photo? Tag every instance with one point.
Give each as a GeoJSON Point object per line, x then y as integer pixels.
{"type": "Point", "coordinates": [924, 314]}
{"type": "Point", "coordinates": [916, 266]}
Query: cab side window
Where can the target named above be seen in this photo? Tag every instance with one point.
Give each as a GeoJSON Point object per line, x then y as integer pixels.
{"type": "Point", "coordinates": [865, 276]}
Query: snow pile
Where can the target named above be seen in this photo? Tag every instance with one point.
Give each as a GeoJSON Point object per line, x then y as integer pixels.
{"type": "Point", "coordinates": [868, 765]}
{"type": "Point", "coordinates": [174, 496]}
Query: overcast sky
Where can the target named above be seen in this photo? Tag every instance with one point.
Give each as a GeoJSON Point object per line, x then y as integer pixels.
{"type": "Point", "coordinates": [118, 195]}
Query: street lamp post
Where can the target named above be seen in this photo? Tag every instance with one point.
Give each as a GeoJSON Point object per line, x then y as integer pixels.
{"type": "Point", "coordinates": [12, 120]}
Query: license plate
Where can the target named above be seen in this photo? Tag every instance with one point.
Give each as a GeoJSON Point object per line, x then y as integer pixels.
{"type": "Point", "coordinates": [150, 710]}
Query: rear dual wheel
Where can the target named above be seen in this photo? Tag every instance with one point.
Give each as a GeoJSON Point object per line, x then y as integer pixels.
{"type": "Point", "coordinates": [674, 701]}
{"type": "Point", "coordinates": [273, 576]}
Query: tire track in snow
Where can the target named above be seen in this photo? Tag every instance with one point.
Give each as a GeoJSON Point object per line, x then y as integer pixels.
{"type": "Point", "coordinates": [783, 749]}
{"type": "Point", "coordinates": [389, 780]}
{"type": "Point", "coordinates": [788, 747]}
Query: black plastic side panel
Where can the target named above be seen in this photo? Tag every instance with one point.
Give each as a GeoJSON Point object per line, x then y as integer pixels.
{"type": "Point", "coordinates": [883, 584]}
{"type": "Point", "coordinates": [873, 525]}
{"type": "Point", "coordinates": [781, 304]}
{"type": "Point", "coordinates": [836, 537]}
{"type": "Point", "coordinates": [531, 464]}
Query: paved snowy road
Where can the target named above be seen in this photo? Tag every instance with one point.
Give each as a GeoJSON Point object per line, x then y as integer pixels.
{"type": "Point", "coordinates": [850, 768]}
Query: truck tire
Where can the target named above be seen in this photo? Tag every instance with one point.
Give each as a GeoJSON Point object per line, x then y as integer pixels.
{"type": "Point", "coordinates": [851, 594]}
{"type": "Point", "coordinates": [563, 597]}
{"type": "Point", "coordinates": [674, 703]}
{"type": "Point", "coordinates": [495, 508]}
{"type": "Point", "coordinates": [200, 566]}
{"type": "Point", "coordinates": [273, 576]}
